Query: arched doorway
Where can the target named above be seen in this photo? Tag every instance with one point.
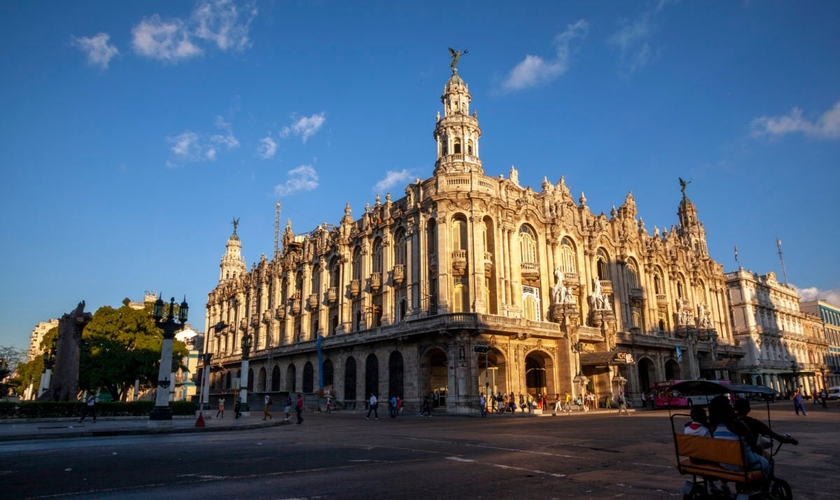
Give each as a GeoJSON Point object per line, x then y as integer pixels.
{"type": "Point", "coordinates": [328, 373]}
{"type": "Point", "coordinates": [646, 375]}
{"type": "Point", "coordinates": [395, 375]}
{"type": "Point", "coordinates": [261, 380]}
{"type": "Point", "coordinates": [492, 372]}
{"type": "Point", "coordinates": [275, 378]}
{"type": "Point", "coordinates": [350, 379]}
{"type": "Point", "coordinates": [291, 377]}
{"type": "Point", "coordinates": [539, 368]}
{"type": "Point", "coordinates": [672, 370]}
{"type": "Point", "coordinates": [371, 376]}
{"type": "Point", "coordinates": [308, 377]}
{"type": "Point", "coordinates": [250, 380]}
{"type": "Point", "coordinates": [435, 377]}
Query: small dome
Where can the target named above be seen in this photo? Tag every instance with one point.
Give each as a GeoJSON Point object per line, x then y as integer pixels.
{"type": "Point", "coordinates": [454, 81]}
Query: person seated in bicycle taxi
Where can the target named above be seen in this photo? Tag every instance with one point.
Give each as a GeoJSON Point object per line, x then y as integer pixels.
{"type": "Point", "coordinates": [699, 425]}
{"type": "Point", "coordinates": [760, 430]}
{"type": "Point", "coordinates": [725, 425]}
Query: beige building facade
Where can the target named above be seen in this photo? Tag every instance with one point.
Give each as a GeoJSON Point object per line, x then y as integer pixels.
{"type": "Point", "coordinates": [829, 319]}
{"type": "Point", "coordinates": [37, 336]}
{"type": "Point", "coordinates": [402, 299]}
{"type": "Point", "coordinates": [785, 347]}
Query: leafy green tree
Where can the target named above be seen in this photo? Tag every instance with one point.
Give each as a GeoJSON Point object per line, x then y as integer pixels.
{"type": "Point", "coordinates": [120, 346]}
{"type": "Point", "coordinates": [12, 360]}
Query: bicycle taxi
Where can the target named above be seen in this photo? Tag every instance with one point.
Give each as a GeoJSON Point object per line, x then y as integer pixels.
{"type": "Point", "coordinates": [714, 464]}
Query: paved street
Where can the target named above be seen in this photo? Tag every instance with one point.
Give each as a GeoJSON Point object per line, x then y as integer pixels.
{"type": "Point", "coordinates": [345, 456]}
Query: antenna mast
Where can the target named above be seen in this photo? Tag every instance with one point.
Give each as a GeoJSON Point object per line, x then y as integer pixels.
{"type": "Point", "coordinates": [781, 259]}
{"type": "Point", "coordinates": [277, 230]}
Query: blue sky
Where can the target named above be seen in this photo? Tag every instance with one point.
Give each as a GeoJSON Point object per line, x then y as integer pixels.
{"type": "Point", "coordinates": [133, 132]}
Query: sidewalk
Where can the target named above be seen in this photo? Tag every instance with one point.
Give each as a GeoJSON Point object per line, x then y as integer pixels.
{"type": "Point", "coordinates": [19, 429]}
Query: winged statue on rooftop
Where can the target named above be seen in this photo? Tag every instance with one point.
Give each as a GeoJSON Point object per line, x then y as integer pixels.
{"type": "Point", "coordinates": [456, 56]}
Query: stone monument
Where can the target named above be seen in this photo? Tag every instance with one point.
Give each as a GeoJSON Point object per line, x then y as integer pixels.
{"type": "Point", "coordinates": [64, 384]}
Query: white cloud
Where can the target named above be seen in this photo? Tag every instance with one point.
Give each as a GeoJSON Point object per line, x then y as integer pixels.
{"type": "Point", "coordinates": [219, 22]}
{"type": "Point", "coordinates": [392, 179]}
{"type": "Point", "coordinates": [305, 127]}
{"type": "Point", "coordinates": [302, 178]}
{"type": "Point", "coordinates": [166, 41]}
{"type": "Point", "coordinates": [634, 39]}
{"type": "Point", "coordinates": [99, 51]}
{"type": "Point", "coordinates": [188, 147]}
{"type": "Point", "coordinates": [228, 139]}
{"type": "Point", "coordinates": [534, 70]}
{"type": "Point", "coordinates": [826, 126]}
{"type": "Point", "coordinates": [267, 148]}
{"type": "Point", "coordinates": [814, 293]}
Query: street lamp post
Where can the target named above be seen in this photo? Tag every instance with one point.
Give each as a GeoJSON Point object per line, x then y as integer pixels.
{"type": "Point", "coordinates": [161, 414]}
{"type": "Point", "coordinates": [243, 378]}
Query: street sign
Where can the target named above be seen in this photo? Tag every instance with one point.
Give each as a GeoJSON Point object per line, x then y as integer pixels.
{"type": "Point", "coordinates": [481, 348]}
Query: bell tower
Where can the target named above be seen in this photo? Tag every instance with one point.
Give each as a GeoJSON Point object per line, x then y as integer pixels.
{"type": "Point", "coordinates": [457, 132]}
{"type": "Point", "coordinates": [232, 264]}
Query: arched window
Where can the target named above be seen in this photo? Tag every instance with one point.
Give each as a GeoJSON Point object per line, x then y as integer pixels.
{"type": "Point", "coordinates": [459, 233]}
{"type": "Point", "coordinates": [457, 146]}
{"type": "Point", "coordinates": [567, 256]}
{"type": "Point", "coordinates": [399, 247]}
{"type": "Point", "coordinates": [308, 377]}
{"type": "Point", "coordinates": [377, 255]}
{"type": "Point", "coordinates": [357, 263]}
{"type": "Point", "coordinates": [350, 379]}
{"type": "Point", "coordinates": [470, 147]}
{"type": "Point", "coordinates": [444, 146]}
{"type": "Point", "coordinates": [632, 275]}
{"type": "Point", "coordinates": [527, 245]}
{"type": "Point", "coordinates": [602, 260]}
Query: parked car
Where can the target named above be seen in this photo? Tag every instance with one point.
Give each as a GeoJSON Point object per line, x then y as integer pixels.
{"type": "Point", "coordinates": [834, 392]}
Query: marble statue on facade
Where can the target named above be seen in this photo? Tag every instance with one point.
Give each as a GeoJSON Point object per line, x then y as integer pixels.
{"type": "Point", "coordinates": [600, 301]}
{"type": "Point", "coordinates": [561, 294]}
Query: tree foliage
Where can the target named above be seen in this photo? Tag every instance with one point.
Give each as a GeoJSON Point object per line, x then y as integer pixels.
{"type": "Point", "coordinates": [120, 346]}
{"type": "Point", "coordinates": [13, 358]}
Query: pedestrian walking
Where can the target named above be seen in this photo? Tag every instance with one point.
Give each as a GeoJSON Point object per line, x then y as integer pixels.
{"type": "Point", "coordinates": [299, 408]}
{"type": "Point", "coordinates": [89, 407]}
{"type": "Point", "coordinates": [287, 408]}
{"type": "Point", "coordinates": [392, 406]}
{"type": "Point", "coordinates": [482, 402]}
{"type": "Point", "coordinates": [608, 402]}
{"type": "Point", "coordinates": [266, 406]}
{"type": "Point", "coordinates": [644, 400]}
{"type": "Point", "coordinates": [237, 407]}
{"type": "Point", "coordinates": [329, 404]}
{"type": "Point", "coordinates": [220, 413]}
{"type": "Point", "coordinates": [622, 404]}
{"type": "Point", "coordinates": [797, 402]}
{"type": "Point", "coordinates": [372, 407]}
{"type": "Point", "coordinates": [399, 405]}
{"type": "Point", "coordinates": [823, 397]}
{"type": "Point", "coordinates": [426, 409]}
{"type": "Point", "coordinates": [568, 401]}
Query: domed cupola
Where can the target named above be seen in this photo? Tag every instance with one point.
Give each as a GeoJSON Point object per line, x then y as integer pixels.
{"type": "Point", "coordinates": [232, 264]}
{"type": "Point", "coordinates": [457, 132]}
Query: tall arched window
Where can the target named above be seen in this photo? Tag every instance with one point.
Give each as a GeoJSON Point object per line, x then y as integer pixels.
{"type": "Point", "coordinates": [459, 233]}
{"type": "Point", "coordinates": [527, 245]}
{"type": "Point", "coordinates": [377, 255]}
{"type": "Point", "coordinates": [567, 256]}
{"type": "Point", "coordinates": [602, 261]}
{"type": "Point", "coordinates": [357, 263]}
{"type": "Point", "coordinates": [457, 146]}
{"type": "Point", "coordinates": [399, 247]}
{"type": "Point", "coordinates": [470, 148]}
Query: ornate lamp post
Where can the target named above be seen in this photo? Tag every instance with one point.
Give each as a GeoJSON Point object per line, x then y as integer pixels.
{"type": "Point", "coordinates": [243, 378]}
{"type": "Point", "coordinates": [161, 414]}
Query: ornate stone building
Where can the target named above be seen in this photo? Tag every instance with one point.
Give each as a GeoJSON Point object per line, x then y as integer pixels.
{"type": "Point", "coordinates": [397, 300]}
{"type": "Point", "coordinates": [829, 318]}
{"type": "Point", "coordinates": [785, 347]}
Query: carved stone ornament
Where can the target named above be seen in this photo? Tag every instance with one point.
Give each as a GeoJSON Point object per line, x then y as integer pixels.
{"type": "Point", "coordinates": [399, 274]}
{"type": "Point", "coordinates": [332, 295]}
{"type": "Point", "coordinates": [375, 281]}
{"type": "Point", "coordinates": [313, 301]}
{"type": "Point", "coordinates": [355, 288]}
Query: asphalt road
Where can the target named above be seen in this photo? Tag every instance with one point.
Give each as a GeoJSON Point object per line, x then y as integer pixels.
{"type": "Point", "coordinates": [346, 456]}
